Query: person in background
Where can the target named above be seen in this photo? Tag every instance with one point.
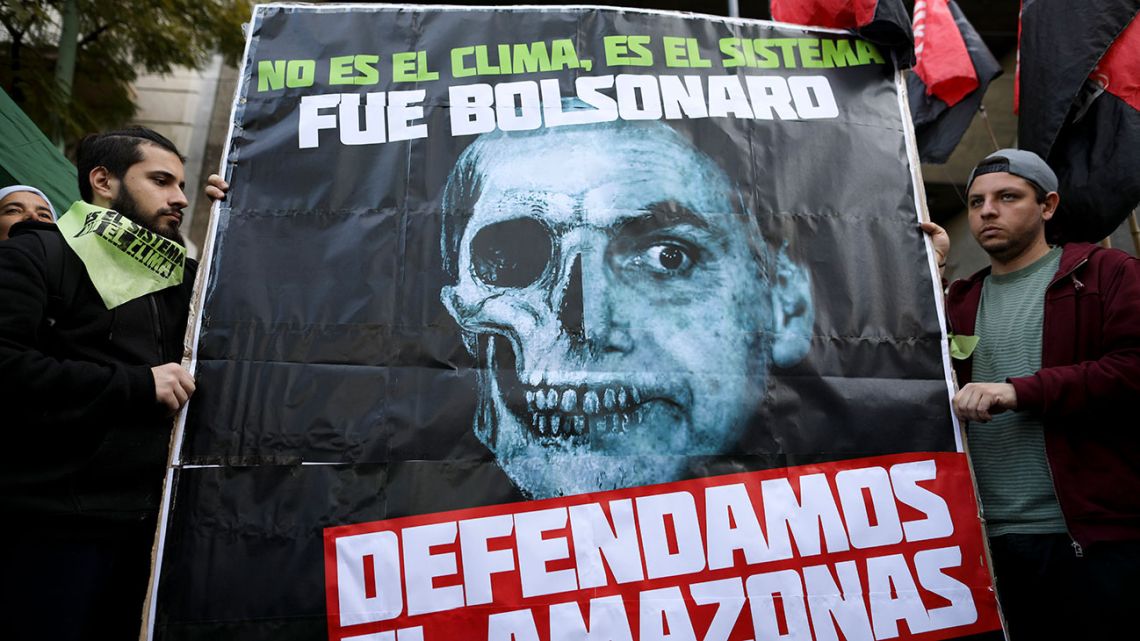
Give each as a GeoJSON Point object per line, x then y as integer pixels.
{"type": "Point", "coordinates": [21, 202]}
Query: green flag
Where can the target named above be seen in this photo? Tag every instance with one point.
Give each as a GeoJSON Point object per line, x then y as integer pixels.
{"type": "Point", "coordinates": [961, 347]}
{"type": "Point", "coordinates": [124, 260]}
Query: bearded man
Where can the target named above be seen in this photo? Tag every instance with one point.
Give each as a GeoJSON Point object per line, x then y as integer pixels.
{"type": "Point", "coordinates": [92, 317]}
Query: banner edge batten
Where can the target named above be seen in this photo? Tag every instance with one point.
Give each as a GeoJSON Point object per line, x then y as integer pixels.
{"type": "Point", "coordinates": [190, 347]}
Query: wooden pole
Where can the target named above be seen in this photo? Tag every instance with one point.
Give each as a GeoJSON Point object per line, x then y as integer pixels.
{"type": "Point", "coordinates": [989, 127]}
{"type": "Point", "coordinates": [65, 66]}
{"type": "Point", "coordinates": [1135, 233]}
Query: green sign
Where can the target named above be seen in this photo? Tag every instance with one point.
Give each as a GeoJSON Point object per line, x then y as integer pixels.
{"type": "Point", "coordinates": [961, 347]}
{"type": "Point", "coordinates": [124, 260]}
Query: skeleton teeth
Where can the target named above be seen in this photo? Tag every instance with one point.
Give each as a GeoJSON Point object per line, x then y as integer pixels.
{"type": "Point", "coordinates": [598, 424]}
{"type": "Point", "coordinates": [590, 402]}
{"type": "Point", "coordinates": [558, 413]}
{"type": "Point", "coordinates": [534, 379]}
{"type": "Point", "coordinates": [569, 400]}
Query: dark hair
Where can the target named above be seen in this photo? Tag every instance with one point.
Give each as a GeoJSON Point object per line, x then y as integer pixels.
{"type": "Point", "coordinates": [117, 151]}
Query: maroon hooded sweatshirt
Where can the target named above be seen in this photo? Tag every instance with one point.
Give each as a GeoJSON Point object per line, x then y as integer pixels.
{"type": "Point", "coordinates": [1087, 391]}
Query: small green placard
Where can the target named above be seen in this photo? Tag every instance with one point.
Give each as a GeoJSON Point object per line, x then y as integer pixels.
{"type": "Point", "coordinates": [961, 347]}
{"type": "Point", "coordinates": [124, 260]}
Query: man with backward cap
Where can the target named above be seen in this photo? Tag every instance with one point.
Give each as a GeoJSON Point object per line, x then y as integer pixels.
{"type": "Point", "coordinates": [1050, 392]}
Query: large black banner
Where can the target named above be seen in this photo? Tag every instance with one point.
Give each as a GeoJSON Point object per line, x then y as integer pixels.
{"type": "Point", "coordinates": [655, 269]}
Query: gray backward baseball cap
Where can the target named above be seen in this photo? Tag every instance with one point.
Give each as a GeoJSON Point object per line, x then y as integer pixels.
{"type": "Point", "coordinates": [1018, 162]}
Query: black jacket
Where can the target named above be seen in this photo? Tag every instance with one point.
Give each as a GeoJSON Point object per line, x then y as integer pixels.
{"type": "Point", "coordinates": [84, 441]}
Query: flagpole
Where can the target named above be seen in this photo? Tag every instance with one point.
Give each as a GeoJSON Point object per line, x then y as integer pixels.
{"type": "Point", "coordinates": [989, 127]}
{"type": "Point", "coordinates": [1135, 232]}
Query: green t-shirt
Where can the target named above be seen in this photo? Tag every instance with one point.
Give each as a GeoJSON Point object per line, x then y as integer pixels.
{"type": "Point", "coordinates": [1008, 453]}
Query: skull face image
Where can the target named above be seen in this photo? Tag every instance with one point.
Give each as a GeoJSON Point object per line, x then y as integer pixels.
{"type": "Point", "coordinates": [623, 308]}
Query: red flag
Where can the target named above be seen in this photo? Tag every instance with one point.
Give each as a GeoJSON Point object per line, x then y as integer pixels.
{"type": "Point", "coordinates": [1060, 43]}
{"type": "Point", "coordinates": [953, 65]}
{"type": "Point", "coordinates": [837, 14]}
{"type": "Point", "coordinates": [882, 22]}
{"type": "Point", "coordinates": [1017, 65]}
{"type": "Point", "coordinates": [1079, 96]}
{"type": "Point", "coordinates": [1118, 72]}
{"type": "Point", "coordinates": [943, 62]}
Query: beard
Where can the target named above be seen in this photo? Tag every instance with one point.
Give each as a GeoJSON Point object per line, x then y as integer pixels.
{"type": "Point", "coordinates": [126, 205]}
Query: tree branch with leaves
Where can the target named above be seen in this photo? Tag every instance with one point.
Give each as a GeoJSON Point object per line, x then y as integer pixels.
{"type": "Point", "coordinates": [115, 40]}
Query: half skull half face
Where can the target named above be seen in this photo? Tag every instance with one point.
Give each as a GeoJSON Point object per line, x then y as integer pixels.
{"type": "Point", "coordinates": [618, 313]}
{"type": "Point", "coordinates": [530, 299]}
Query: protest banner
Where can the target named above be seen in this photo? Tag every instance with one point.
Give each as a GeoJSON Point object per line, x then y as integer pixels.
{"type": "Point", "coordinates": [567, 323]}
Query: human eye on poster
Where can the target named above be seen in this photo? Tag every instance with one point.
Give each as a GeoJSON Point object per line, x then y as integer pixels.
{"type": "Point", "coordinates": [567, 323]}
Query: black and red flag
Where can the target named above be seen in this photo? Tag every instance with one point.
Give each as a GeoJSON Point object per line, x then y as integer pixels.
{"type": "Point", "coordinates": [883, 22]}
{"type": "Point", "coordinates": [953, 68]}
{"type": "Point", "coordinates": [1079, 107]}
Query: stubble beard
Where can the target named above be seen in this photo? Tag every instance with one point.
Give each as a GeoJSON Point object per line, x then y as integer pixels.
{"type": "Point", "coordinates": [1010, 248]}
{"type": "Point", "coordinates": [126, 205]}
